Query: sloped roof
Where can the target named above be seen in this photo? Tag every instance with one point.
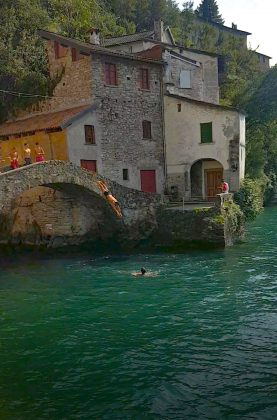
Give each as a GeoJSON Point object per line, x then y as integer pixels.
{"type": "Point", "coordinates": [86, 48]}
{"type": "Point", "coordinates": [41, 122]}
{"type": "Point", "coordinates": [125, 39]}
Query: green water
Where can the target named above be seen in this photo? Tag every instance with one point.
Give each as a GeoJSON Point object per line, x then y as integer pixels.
{"type": "Point", "coordinates": [82, 339]}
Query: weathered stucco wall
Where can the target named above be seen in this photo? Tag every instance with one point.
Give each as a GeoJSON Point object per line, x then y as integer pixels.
{"type": "Point", "coordinates": [204, 77]}
{"type": "Point", "coordinates": [183, 140]}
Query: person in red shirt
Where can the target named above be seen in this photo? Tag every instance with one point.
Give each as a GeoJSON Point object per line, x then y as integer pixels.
{"type": "Point", "coordinates": [224, 187]}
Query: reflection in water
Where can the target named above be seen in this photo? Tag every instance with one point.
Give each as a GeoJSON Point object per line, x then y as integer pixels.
{"type": "Point", "coordinates": [82, 338]}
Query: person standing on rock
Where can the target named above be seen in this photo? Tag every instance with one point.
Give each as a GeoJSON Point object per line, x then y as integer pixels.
{"type": "Point", "coordinates": [27, 154]}
{"type": "Point", "coordinates": [39, 152]}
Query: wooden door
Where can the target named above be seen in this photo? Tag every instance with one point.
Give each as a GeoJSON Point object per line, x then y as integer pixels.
{"type": "Point", "coordinates": [213, 182]}
{"type": "Point", "coordinates": [148, 181]}
{"type": "Point", "coordinates": [89, 165]}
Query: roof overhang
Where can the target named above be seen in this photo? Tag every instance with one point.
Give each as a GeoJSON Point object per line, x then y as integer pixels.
{"type": "Point", "coordinates": [89, 49]}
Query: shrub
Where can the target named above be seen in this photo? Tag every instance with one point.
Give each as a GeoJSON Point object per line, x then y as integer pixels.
{"type": "Point", "coordinates": [250, 197]}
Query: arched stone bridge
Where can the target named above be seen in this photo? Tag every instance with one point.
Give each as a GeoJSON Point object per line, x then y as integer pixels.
{"type": "Point", "coordinates": [65, 175]}
{"type": "Point", "coordinates": [76, 185]}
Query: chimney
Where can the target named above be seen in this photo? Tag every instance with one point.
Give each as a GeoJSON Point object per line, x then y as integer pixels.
{"type": "Point", "coordinates": [158, 29]}
{"type": "Point", "coordinates": [94, 36]}
{"type": "Point", "coordinates": [234, 26]}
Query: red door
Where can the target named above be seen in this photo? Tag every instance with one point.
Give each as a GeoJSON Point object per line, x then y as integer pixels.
{"type": "Point", "coordinates": [148, 181]}
{"type": "Point", "coordinates": [89, 165]}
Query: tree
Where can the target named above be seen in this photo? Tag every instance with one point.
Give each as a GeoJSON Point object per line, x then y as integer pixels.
{"type": "Point", "coordinates": [260, 103]}
{"type": "Point", "coordinates": [23, 64]}
{"type": "Point", "coordinates": [209, 11]}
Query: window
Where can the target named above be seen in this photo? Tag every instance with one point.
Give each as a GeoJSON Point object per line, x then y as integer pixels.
{"type": "Point", "coordinates": [146, 129]}
{"type": "Point", "coordinates": [179, 107]}
{"type": "Point", "coordinates": [110, 74]}
{"type": "Point", "coordinates": [89, 134]}
{"type": "Point", "coordinates": [144, 79]}
{"type": "Point", "coordinates": [185, 79]}
{"type": "Point", "coordinates": [125, 173]}
{"type": "Point", "coordinates": [89, 165]}
{"type": "Point", "coordinates": [206, 132]}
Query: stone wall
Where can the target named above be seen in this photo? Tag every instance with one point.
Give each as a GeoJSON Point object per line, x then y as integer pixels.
{"type": "Point", "coordinates": [74, 87]}
{"type": "Point", "coordinates": [121, 110]}
{"type": "Point", "coordinates": [57, 204]}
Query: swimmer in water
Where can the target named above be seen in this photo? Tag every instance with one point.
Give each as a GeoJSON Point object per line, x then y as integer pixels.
{"type": "Point", "coordinates": [142, 272]}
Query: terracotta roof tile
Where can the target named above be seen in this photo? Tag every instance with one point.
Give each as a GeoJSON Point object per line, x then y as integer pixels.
{"type": "Point", "coordinates": [108, 42]}
{"type": "Point", "coordinates": [40, 122]}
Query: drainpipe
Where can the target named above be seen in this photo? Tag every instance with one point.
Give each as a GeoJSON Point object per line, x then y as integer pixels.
{"type": "Point", "coordinates": [163, 127]}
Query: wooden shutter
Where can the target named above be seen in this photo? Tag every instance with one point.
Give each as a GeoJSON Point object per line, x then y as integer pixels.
{"type": "Point", "coordinates": [146, 129]}
{"type": "Point", "coordinates": [89, 134]}
{"type": "Point", "coordinates": [206, 132]}
{"type": "Point", "coordinates": [89, 165]}
{"type": "Point", "coordinates": [148, 181]}
{"type": "Point", "coordinates": [74, 54]}
{"type": "Point", "coordinates": [144, 79]}
{"type": "Point", "coordinates": [110, 74]}
{"type": "Point", "coordinates": [57, 49]}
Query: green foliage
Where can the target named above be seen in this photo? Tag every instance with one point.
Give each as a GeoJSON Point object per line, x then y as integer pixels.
{"type": "Point", "coordinates": [23, 62]}
{"type": "Point", "coordinates": [234, 219]}
{"type": "Point", "coordinates": [260, 103]}
{"type": "Point", "coordinates": [208, 10]}
{"type": "Point", "coordinates": [250, 198]}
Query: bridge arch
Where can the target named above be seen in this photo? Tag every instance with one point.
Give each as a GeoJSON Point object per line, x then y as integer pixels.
{"type": "Point", "coordinates": [57, 175]}
{"type": "Point", "coordinates": [54, 202]}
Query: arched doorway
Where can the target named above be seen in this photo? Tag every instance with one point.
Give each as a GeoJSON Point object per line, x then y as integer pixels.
{"type": "Point", "coordinates": [206, 176]}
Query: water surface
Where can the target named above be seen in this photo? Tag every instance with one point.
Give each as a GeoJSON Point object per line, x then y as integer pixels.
{"type": "Point", "coordinates": [82, 339]}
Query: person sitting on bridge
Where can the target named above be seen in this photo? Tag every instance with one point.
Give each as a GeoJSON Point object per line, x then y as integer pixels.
{"type": "Point", "coordinates": [14, 159]}
{"type": "Point", "coordinates": [110, 198]}
{"type": "Point", "coordinates": [27, 154]}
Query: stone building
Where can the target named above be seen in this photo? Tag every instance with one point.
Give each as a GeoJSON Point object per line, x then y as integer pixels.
{"type": "Point", "coordinates": [204, 141]}
{"type": "Point", "coordinates": [119, 129]}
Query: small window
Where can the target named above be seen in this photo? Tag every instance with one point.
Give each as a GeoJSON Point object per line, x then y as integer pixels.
{"type": "Point", "coordinates": [179, 107]}
{"type": "Point", "coordinates": [146, 129]}
{"type": "Point", "coordinates": [57, 49]}
{"type": "Point", "coordinates": [89, 165]}
{"type": "Point", "coordinates": [185, 79]}
{"type": "Point", "coordinates": [74, 54]}
{"type": "Point", "coordinates": [144, 79]}
{"type": "Point", "coordinates": [89, 134]}
{"type": "Point", "coordinates": [206, 132]}
{"type": "Point", "coordinates": [125, 173]}
{"type": "Point", "coordinates": [110, 74]}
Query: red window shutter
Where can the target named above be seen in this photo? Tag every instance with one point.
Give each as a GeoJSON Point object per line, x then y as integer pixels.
{"type": "Point", "coordinates": [89, 165]}
{"type": "Point", "coordinates": [110, 74]}
{"type": "Point", "coordinates": [74, 54]}
{"type": "Point", "coordinates": [57, 49]}
{"type": "Point", "coordinates": [144, 79]}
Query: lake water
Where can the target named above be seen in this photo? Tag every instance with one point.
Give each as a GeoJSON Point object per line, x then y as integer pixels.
{"type": "Point", "coordinates": [82, 339]}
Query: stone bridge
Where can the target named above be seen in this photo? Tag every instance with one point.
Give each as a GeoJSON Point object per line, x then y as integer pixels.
{"type": "Point", "coordinates": [56, 203]}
